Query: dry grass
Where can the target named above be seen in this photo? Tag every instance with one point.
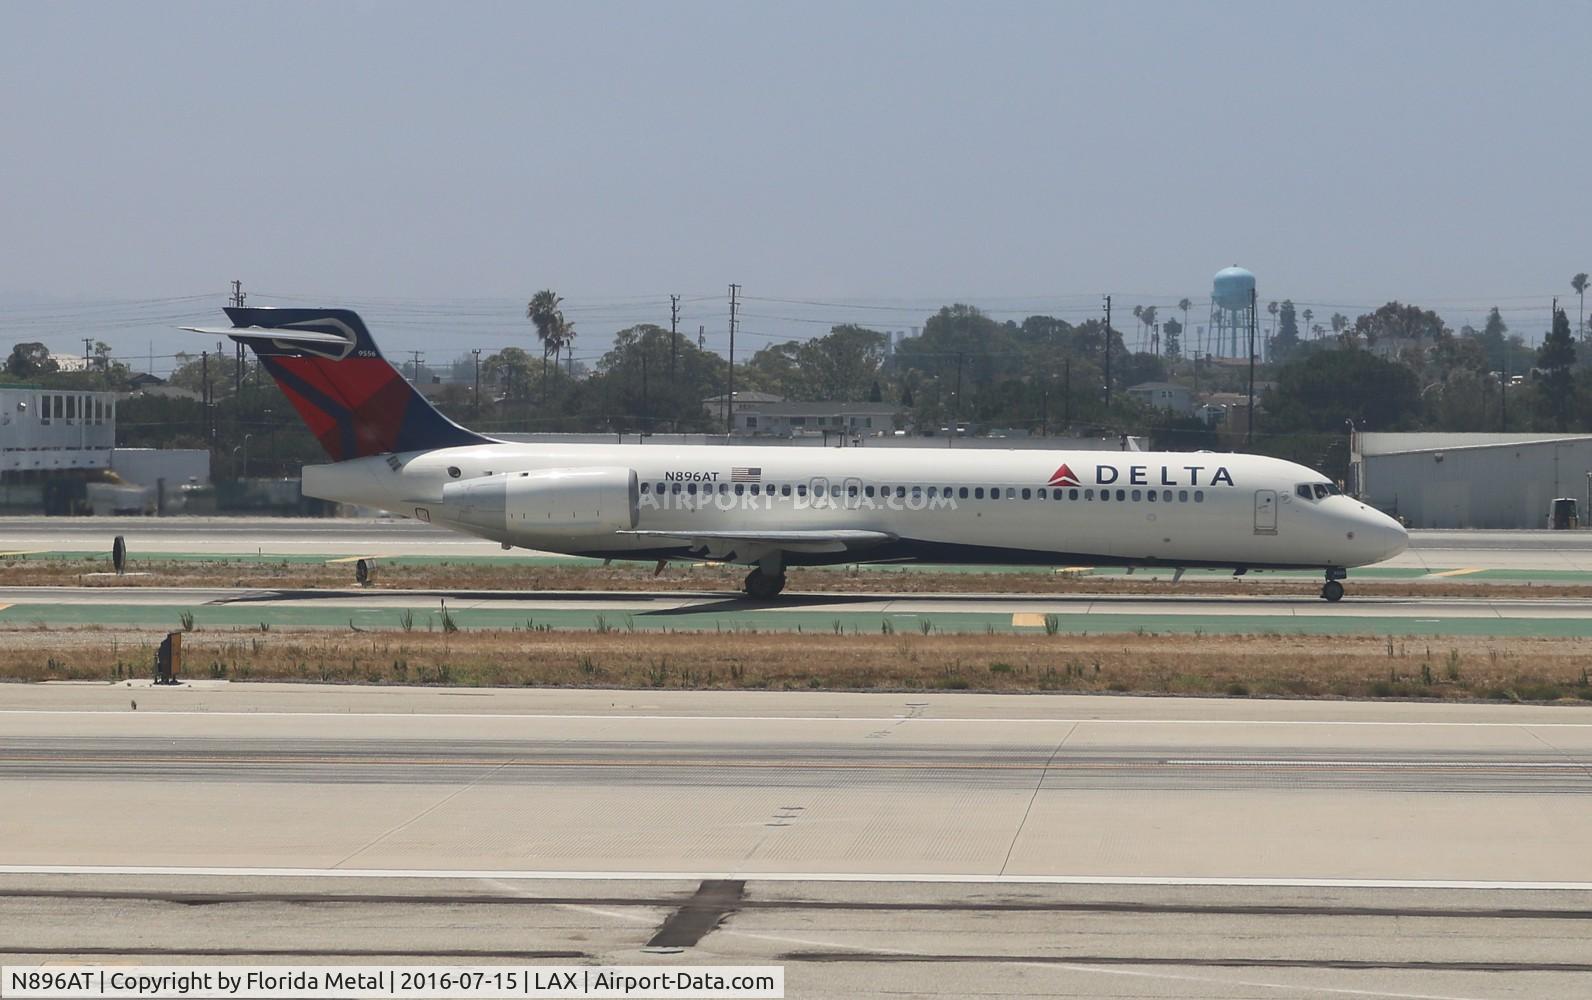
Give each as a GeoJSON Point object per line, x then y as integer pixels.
{"type": "Point", "coordinates": [1514, 669]}
{"type": "Point", "coordinates": [512, 576]}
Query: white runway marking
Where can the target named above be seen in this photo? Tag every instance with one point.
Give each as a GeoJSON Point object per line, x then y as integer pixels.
{"type": "Point", "coordinates": [968, 720]}
{"type": "Point", "coordinates": [758, 876]}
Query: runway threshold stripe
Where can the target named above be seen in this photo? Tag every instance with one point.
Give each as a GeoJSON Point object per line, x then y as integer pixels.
{"type": "Point", "coordinates": [961, 720]}
{"type": "Point", "coordinates": [982, 878]}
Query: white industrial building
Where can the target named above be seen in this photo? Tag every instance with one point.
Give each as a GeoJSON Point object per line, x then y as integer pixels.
{"type": "Point", "coordinates": [52, 429]}
{"type": "Point", "coordinates": [1441, 480]}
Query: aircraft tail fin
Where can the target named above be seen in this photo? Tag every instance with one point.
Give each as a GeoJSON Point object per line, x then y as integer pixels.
{"type": "Point", "coordinates": [353, 400]}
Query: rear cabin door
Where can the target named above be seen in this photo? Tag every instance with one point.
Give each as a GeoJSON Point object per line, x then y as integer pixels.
{"type": "Point", "coordinates": [853, 494]}
{"type": "Point", "coordinates": [1265, 512]}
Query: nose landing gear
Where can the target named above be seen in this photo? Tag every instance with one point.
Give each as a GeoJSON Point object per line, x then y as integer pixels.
{"type": "Point", "coordinates": [1332, 590]}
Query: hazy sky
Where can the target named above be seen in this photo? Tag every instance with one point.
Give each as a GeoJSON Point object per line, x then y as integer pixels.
{"type": "Point", "coordinates": [434, 165]}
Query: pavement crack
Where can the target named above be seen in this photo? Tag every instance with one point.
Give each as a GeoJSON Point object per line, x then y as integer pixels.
{"type": "Point", "coordinates": [1006, 861]}
{"type": "Point", "coordinates": [422, 814]}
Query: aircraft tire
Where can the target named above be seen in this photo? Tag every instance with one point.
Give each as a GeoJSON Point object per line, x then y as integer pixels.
{"type": "Point", "coordinates": [762, 586]}
{"type": "Point", "coordinates": [1332, 591]}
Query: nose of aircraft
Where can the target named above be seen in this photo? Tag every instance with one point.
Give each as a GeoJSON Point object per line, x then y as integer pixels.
{"type": "Point", "coordinates": [1378, 536]}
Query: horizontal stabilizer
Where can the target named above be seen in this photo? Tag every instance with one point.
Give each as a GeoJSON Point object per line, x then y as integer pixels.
{"type": "Point", "coordinates": [269, 333]}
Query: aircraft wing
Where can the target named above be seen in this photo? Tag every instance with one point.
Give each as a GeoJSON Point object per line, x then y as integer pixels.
{"type": "Point", "coordinates": [745, 543]}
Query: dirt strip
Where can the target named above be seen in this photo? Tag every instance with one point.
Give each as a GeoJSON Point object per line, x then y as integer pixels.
{"type": "Point", "coordinates": [1349, 667]}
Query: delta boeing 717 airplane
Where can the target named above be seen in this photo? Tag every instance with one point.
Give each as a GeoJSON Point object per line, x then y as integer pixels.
{"type": "Point", "coordinates": [772, 507]}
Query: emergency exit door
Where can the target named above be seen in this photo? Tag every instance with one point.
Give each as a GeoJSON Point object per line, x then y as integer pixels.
{"type": "Point", "coordinates": [1265, 512]}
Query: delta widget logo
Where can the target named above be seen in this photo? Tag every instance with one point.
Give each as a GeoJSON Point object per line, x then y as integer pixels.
{"type": "Point", "coordinates": [1063, 477]}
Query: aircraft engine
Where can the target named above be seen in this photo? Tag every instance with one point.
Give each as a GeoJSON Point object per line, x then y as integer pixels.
{"type": "Point", "coordinates": [548, 503]}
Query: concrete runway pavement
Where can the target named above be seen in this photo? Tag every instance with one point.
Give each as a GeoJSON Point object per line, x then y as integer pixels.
{"type": "Point", "coordinates": [874, 844]}
{"type": "Point", "coordinates": [156, 607]}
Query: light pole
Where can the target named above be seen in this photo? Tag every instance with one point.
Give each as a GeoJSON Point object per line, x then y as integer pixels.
{"type": "Point", "coordinates": [245, 474]}
{"type": "Point", "coordinates": [477, 353]}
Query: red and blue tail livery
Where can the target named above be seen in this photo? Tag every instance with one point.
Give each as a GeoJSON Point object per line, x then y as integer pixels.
{"type": "Point", "coordinates": [353, 400]}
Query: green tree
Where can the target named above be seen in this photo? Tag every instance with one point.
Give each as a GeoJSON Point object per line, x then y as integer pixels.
{"type": "Point", "coordinates": [1556, 364]}
{"type": "Point", "coordinates": [1579, 284]}
{"type": "Point", "coordinates": [1184, 305]}
{"type": "Point", "coordinates": [1320, 392]}
{"type": "Point", "coordinates": [1287, 341]}
{"type": "Point", "coordinates": [544, 314]}
{"type": "Point", "coordinates": [1397, 321]}
{"type": "Point", "coordinates": [30, 360]}
{"type": "Point", "coordinates": [510, 370]}
{"type": "Point", "coordinates": [1174, 337]}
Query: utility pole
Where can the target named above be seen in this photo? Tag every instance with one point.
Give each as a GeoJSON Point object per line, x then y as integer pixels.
{"type": "Point", "coordinates": [477, 352]}
{"type": "Point", "coordinates": [644, 407]}
{"type": "Point", "coordinates": [204, 361]}
{"type": "Point", "coordinates": [238, 296]}
{"type": "Point", "coordinates": [956, 415]}
{"type": "Point", "coordinates": [1249, 431]}
{"type": "Point", "coordinates": [674, 328]}
{"type": "Point", "coordinates": [414, 367]}
{"type": "Point", "coordinates": [1066, 397]}
{"type": "Point", "coordinates": [735, 291]}
{"type": "Point", "coordinates": [702, 338]}
{"type": "Point", "coordinates": [1108, 352]}
{"type": "Point", "coordinates": [1503, 393]}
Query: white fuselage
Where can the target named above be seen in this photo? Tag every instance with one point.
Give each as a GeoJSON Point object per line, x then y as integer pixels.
{"type": "Point", "coordinates": [1112, 508]}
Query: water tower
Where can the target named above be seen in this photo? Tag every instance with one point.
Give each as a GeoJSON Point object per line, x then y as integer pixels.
{"type": "Point", "coordinates": [1232, 302]}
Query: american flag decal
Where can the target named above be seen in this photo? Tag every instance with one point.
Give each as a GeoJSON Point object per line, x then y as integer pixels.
{"type": "Point", "coordinates": [746, 474]}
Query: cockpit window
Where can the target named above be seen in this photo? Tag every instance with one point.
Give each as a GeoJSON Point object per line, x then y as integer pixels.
{"type": "Point", "coordinates": [1326, 490]}
{"type": "Point", "coordinates": [1303, 489]}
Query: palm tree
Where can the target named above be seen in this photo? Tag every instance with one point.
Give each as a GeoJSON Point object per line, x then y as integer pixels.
{"type": "Point", "coordinates": [1579, 284]}
{"type": "Point", "coordinates": [1184, 304]}
{"type": "Point", "coordinates": [543, 313]}
{"type": "Point", "coordinates": [566, 340]}
{"type": "Point", "coordinates": [1272, 308]}
{"type": "Point", "coordinates": [1340, 323]}
{"type": "Point", "coordinates": [1148, 315]}
{"type": "Point", "coordinates": [1308, 315]}
{"type": "Point", "coordinates": [1138, 314]}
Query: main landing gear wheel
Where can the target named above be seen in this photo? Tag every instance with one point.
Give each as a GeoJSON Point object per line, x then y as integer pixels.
{"type": "Point", "coordinates": [761, 586]}
{"type": "Point", "coordinates": [1332, 591]}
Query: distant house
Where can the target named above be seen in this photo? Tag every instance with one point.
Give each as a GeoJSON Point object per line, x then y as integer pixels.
{"type": "Point", "coordinates": [1178, 399]}
{"type": "Point", "coordinates": [771, 416]}
{"type": "Point", "coordinates": [143, 380]}
{"type": "Point", "coordinates": [714, 405]}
